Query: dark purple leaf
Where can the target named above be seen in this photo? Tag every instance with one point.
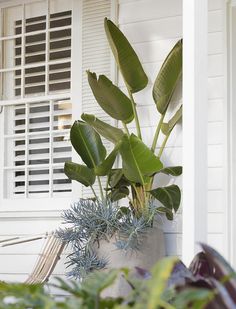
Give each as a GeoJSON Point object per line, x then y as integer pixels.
{"type": "Point", "coordinates": [222, 299]}
{"type": "Point", "coordinates": [200, 266]}
{"type": "Point", "coordinates": [222, 270]}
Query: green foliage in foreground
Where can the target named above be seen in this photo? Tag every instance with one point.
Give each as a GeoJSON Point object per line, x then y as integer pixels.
{"type": "Point", "coordinates": [209, 283]}
{"type": "Point", "coordinates": [87, 295]}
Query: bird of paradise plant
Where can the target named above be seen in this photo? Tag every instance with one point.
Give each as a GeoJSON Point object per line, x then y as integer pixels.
{"type": "Point", "coordinates": [140, 163]}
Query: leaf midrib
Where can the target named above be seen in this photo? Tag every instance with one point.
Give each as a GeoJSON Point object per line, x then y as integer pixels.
{"type": "Point", "coordinates": [87, 148]}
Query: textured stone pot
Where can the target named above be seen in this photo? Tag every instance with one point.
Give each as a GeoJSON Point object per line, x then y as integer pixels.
{"type": "Point", "coordinates": [151, 250]}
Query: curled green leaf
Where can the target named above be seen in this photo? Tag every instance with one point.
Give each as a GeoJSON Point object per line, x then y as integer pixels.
{"type": "Point", "coordinates": [172, 170]}
{"type": "Point", "coordinates": [169, 196]}
{"type": "Point", "coordinates": [80, 173]}
{"type": "Point", "coordinates": [168, 78]}
{"type": "Point", "coordinates": [109, 132]}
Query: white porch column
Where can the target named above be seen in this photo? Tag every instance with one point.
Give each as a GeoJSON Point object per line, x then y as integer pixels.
{"type": "Point", "coordinates": [195, 16]}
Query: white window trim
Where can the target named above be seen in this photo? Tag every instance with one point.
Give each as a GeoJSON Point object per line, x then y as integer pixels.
{"type": "Point", "coordinates": [195, 31]}
{"type": "Point", "coordinates": [231, 135]}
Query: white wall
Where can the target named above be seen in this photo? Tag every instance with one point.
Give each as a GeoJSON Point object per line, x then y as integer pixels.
{"type": "Point", "coordinates": [153, 26]}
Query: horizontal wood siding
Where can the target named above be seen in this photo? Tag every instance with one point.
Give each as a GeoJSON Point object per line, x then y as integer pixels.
{"type": "Point", "coordinates": [18, 261]}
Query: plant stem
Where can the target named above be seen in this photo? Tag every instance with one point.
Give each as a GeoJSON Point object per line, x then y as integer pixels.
{"type": "Point", "coordinates": [135, 114]}
{"type": "Point", "coordinates": [100, 187]}
{"type": "Point", "coordinates": [145, 197]}
{"type": "Point", "coordinates": [163, 145]}
{"type": "Point", "coordinates": [158, 129]}
{"type": "Point", "coordinates": [138, 196]}
{"type": "Point", "coordinates": [126, 128]}
{"type": "Point", "coordinates": [94, 193]}
{"type": "Point", "coordinates": [107, 183]}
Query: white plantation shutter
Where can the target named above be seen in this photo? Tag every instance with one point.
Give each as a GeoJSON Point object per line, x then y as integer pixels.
{"type": "Point", "coordinates": [36, 51]}
{"type": "Point", "coordinates": [96, 58]}
{"type": "Point", "coordinates": [47, 146]}
{"type": "Point", "coordinates": [36, 93]}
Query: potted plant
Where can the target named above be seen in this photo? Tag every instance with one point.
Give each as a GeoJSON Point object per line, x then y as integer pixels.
{"type": "Point", "coordinates": [103, 231]}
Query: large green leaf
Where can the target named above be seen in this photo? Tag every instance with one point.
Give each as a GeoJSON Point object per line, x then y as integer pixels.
{"type": "Point", "coordinates": [118, 185]}
{"type": "Point", "coordinates": [167, 78]}
{"type": "Point", "coordinates": [118, 193]}
{"type": "Point", "coordinates": [115, 176]}
{"type": "Point", "coordinates": [87, 143]}
{"type": "Point", "coordinates": [111, 99]}
{"type": "Point", "coordinates": [172, 170]}
{"type": "Point", "coordinates": [138, 160]}
{"type": "Point", "coordinates": [80, 173]}
{"type": "Point", "coordinates": [166, 128]}
{"type": "Point", "coordinates": [126, 58]}
{"type": "Point", "coordinates": [169, 196]}
{"type": "Point", "coordinates": [104, 168]}
{"type": "Point", "coordinates": [111, 133]}
{"type": "Point", "coordinates": [118, 179]}
{"type": "Point", "coordinates": [164, 210]}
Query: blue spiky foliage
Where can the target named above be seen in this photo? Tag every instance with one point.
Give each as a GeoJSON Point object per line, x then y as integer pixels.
{"type": "Point", "coordinates": [132, 229]}
{"type": "Point", "coordinates": [89, 221]}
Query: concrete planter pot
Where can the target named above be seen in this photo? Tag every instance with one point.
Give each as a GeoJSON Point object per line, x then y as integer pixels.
{"type": "Point", "coordinates": [151, 250]}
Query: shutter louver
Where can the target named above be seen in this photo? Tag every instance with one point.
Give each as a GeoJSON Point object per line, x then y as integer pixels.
{"type": "Point", "coordinates": [59, 50]}
{"type": "Point", "coordinates": [96, 58]}
{"type": "Point", "coordinates": [40, 113]}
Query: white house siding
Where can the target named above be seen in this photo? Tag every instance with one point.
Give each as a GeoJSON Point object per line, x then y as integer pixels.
{"type": "Point", "coordinates": [17, 261]}
{"type": "Point", "coordinates": [153, 26]}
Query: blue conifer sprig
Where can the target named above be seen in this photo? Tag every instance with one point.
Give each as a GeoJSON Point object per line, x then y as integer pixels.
{"type": "Point", "coordinates": [91, 220]}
